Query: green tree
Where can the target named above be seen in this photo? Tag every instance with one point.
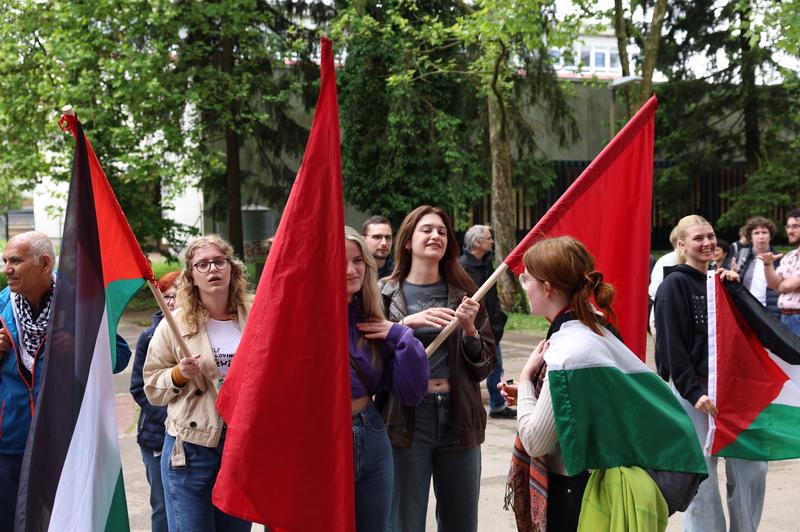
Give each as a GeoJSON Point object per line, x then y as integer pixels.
{"type": "Point", "coordinates": [168, 91]}
{"type": "Point", "coordinates": [409, 137]}
{"type": "Point", "coordinates": [735, 111]}
{"type": "Point", "coordinates": [455, 83]}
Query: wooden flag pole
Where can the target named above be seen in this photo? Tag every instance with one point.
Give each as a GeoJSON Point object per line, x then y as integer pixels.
{"type": "Point", "coordinates": [198, 380]}
{"type": "Point", "coordinates": [439, 340]}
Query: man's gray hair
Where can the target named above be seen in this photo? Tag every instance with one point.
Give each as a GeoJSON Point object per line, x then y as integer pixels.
{"type": "Point", "coordinates": [41, 245]}
{"type": "Point", "coordinates": [474, 234]}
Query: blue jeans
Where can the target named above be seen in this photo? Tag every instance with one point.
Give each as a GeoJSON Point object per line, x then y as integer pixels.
{"type": "Point", "coordinates": [496, 401]}
{"type": "Point", "coordinates": [374, 471]}
{"type": "Point", "coordinates": [456, 473]}
{"type": "Point", "coordinates": [187, 490]}
{"type": "Point", "coordinates": [746, 487]}
{"type": "Point", "coordinates": [793, 322]}
{"type": "Point", "coordinates": [10, 466]}
{"type": "Point", "coordinates": [152, 470]}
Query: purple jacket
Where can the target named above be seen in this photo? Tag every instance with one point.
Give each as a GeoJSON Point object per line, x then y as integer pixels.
{"type": "Point", "coordinates": [403, 367]}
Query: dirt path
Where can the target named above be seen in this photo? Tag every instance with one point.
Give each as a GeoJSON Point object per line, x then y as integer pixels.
{"type": "Point", "coordinates": [781, 511]}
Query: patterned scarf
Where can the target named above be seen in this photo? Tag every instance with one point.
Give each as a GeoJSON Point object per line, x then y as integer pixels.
{"type": "Point", "coordinates": [33, 330]}
{"type": "Point", "coordinates": [526, 486]}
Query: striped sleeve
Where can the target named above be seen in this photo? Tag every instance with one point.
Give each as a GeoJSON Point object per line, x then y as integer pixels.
{"type": "Point", "coordinates": [536, 424]}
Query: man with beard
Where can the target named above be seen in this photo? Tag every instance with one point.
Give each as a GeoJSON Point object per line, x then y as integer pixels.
{"type": "Point", "coordinates": [378, 233]}
{"type": "Point", "coordinates": [786, 278]}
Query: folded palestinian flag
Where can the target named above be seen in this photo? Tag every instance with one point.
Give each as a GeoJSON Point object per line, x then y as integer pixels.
{"type": "Point", "coordinates": [612, 410]}
{"type": "Point", "coordinates": [754, 377]}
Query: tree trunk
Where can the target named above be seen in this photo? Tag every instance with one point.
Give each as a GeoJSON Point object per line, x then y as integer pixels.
{"type": "Point", "coordinates": [503, 209]}
{"type": "Point", "coordinates": [621, 31]}
{"type": "Point", "coordinates": [651, 43]}
{"type": "Point", "coordinates": [752, 141]}
{"type": "Point", "coordinates": [233, 183]}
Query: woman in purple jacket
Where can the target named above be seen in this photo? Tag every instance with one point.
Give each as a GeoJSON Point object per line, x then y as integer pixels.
{"type": "Point", "coordinates": [383, 355]}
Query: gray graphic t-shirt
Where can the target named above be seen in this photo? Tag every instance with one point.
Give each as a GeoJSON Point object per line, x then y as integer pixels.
{"type": "Point", "coordinates": [421, 297]}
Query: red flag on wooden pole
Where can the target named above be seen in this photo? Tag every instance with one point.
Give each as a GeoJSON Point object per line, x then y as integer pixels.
{"type": "Point", "coordinates": [608, 208]}
{"type": "Point", "coordinates": [288, 457]}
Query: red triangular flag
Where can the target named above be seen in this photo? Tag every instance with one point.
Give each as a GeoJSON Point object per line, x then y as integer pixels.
{"type": "Point", "coordinates": [608, 208]}
{"type": "Point", "coordinates": [288, 457]}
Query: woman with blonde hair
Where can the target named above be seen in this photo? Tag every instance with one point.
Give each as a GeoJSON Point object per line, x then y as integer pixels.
{"type": "Point", "coordinates": [682, 360]}
{"type": "Point", "coordinates": [212, 309]}
{"type": "Point", "coordinates": [441, 437]}
{"type": "Point", "coordinates": [383, 356]}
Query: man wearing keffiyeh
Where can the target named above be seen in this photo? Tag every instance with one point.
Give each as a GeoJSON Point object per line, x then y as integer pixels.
{"type": "Point", "coordinates": [28, 262]}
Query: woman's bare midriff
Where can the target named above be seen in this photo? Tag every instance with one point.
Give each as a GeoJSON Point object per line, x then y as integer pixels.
{"type": "Point", "coordinates": [358, 404]}
{"type": "Point", "coordinates": [438, 385]}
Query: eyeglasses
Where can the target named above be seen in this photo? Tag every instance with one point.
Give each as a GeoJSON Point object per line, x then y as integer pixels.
{"type": "Point", "coordinates": [793, 227]}
{"type": "Point", "coordinates": [204, 266]}
{"type": "Point", "coordinates": [378, 238]}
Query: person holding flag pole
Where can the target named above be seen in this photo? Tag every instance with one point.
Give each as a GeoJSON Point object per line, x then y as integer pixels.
{"type": "Point", "coordinates": [212, 309]}
{"type": "Point", "coordinates": [681, 313]}
{"type": "Point", "coordinates": [441, 437]}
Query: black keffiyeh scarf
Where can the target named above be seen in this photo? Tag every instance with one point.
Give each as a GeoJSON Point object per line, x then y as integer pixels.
{"type": "Point", "coordinates": [33, 329]}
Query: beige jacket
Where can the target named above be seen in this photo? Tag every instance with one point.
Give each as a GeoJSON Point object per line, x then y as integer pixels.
{"type": "Point", "coordinates": [191, 414]}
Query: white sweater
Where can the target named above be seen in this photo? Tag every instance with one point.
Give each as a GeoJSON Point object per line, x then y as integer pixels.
{"type": "Point", "coordinates": [537, 427]}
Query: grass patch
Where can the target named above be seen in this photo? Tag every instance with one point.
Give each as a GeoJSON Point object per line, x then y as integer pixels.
{"type": "Point", "coordinates": [518, 321]}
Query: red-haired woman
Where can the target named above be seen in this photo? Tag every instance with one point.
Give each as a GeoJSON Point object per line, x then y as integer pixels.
{"type": "Point", "coordinates": [441, 437]}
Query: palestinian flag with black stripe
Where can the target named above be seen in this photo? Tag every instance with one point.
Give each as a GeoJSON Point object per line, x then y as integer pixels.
{"type": "Point", "coordinates": [754, 377]}
{"type": "Point", "coordinates": [72, 474]}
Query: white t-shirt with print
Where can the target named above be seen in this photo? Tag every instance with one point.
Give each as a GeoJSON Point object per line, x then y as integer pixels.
{"type": "Point", "coordinates": [224, 338]}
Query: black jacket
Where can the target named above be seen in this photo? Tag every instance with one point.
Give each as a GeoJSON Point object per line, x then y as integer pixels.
{"type": "Point", "coordinates": [682, 331]}
{"type": "Point", "coordinates": [387, 268]}
{"type": "Point", "coordinates": [150, 429]}
{"type": "Point", "coordinates": [480, 271]}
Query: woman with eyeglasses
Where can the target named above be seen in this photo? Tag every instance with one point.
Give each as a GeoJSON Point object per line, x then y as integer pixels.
{"type": "Point", "coordinates": [441, 437]}
{"type": "Point", "coordinates": [211, 312]}
{"type": "Point", "coordinates": [383, 356]}
{"type": "Point", "coordinates": [150, 427]}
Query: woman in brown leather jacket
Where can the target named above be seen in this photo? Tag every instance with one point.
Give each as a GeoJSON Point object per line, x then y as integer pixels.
{"type": "Point", "coordinates": [441, 437]}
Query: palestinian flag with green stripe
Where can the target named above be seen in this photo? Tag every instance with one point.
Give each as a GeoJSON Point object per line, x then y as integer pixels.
{"type": "Point", "coordinates": [71, 478]}
{"type": "Point", "coordinates": [612, 410]}
{"type": "Point", "coordinates": [754, 377]}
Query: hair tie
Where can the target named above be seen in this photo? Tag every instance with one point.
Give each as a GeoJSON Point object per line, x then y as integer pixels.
{"type": "Point", "coordinates": [599, 279]}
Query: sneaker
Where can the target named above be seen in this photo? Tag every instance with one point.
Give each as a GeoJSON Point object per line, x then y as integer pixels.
{"type": "Point", "coordinates": [505, 413]}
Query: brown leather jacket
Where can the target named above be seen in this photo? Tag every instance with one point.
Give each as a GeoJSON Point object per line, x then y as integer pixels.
{"type": "Point", "coordinates": [469, 415]}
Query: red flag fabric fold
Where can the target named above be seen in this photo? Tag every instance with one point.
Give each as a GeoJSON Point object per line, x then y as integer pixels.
{"type": "Point", "coordinates": [608, 208]}
{"type": "Point", "coordinates": [288, 456]}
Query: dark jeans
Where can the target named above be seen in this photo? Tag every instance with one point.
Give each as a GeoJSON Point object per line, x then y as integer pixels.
{"type": "Point", "coordinates": [187, 491]}
{"type": "Point", "coordinates": [456, 474]}
{"type": "Point", "coordinates": [10, 466]}
{"type": "Point", "coordinates": [564, 497]}
{"type": "Point", "coordinates": [374, 471]}
{"type": "Point", "coordinates": [152, 470]}
{"type": "Point", "coordinates": [496, 401]}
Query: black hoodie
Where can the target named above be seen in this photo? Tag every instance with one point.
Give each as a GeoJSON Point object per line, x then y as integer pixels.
{"type": "Point", "coordinates": [682, 331]}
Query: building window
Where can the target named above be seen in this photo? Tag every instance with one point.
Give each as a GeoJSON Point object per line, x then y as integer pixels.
{"type": "Point", "coordinates": [615, 61]}
{"type": "Point", "coordinates": [586, 57]}
{"type": "Point", "coordinates": [600, 60]}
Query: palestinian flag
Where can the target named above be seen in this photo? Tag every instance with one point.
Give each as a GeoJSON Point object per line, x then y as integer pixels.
{"type": "Point", "coordinates": [612, 410]}
{"type": "Point", "coordinates": [71, 476]}
{"type": "Point", "coordinates": [754, 377]}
